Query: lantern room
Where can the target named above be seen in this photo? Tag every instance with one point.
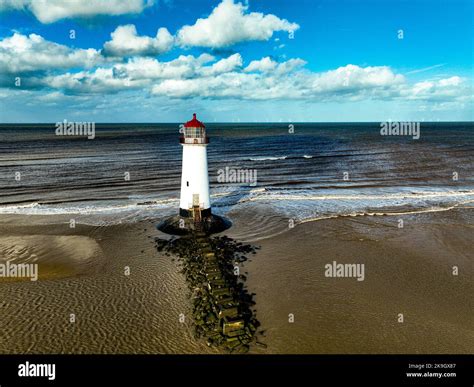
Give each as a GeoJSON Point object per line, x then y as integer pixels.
{"type": "Point", "coordinates": [194, 132]}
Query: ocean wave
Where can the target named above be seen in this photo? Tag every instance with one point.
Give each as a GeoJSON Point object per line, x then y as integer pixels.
{"type": "Point", "coordinates": [362, 196]}
{"type": "Point", "coordinates": [303, 206]}
{"type": "Point", "coordinates": [267, 158]}
{"type": "Point", "coordinates": [390, 213]}
{"type": "Point", "coordinates": [273, 158]}
{"type": "Point", "coordinates": [85, 209]}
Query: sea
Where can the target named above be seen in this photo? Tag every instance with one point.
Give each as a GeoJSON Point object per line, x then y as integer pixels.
{"type": "Point", "coordinates": [304, 171]}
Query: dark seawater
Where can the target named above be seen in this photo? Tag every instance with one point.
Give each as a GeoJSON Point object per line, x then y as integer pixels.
{"type": "Point", "coordinates": [299, 175]}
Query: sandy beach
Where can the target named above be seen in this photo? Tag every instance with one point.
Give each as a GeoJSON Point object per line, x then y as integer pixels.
{"type": "Point", "coordinates": [83, 271]}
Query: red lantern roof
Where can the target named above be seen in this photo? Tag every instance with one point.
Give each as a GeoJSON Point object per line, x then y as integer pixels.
{"type": "Point", "coordinates": [194, 123]}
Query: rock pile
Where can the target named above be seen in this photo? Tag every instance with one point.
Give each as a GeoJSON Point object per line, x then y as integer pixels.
{"type": "Point", "coordinates": [222, 307]}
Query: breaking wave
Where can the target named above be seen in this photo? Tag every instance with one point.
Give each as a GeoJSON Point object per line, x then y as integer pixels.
{"type": "Point", "coordinates": [302, 206]}
{"type": "Point", "coordinates": [267, 158]}
{"type": "Point", "coordinates": [273, 158]}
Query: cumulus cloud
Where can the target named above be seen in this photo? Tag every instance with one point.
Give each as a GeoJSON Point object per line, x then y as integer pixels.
{"type": "Point", "coordinates": [227, 85]}
{"type": "Point", "coordinates": [351, 77]}
{"type": "Point", "coordinates": [230, 23]}
{"type": "Point", "coordinates": [139, 72]}
{"type": "Point", "coordinates": [206, 77]}
{"type": "Point", "coordinates": [452, 81]}
{"type": "Point", "coordinates": [185, 66]}
{"type": "Point", "coordinates": [98, 81]}
{"type": "Point", "coordinates": [264, 65]}
{"type": "Point", "coordinates": [126, 42]}
{"type": "Point", "coordinates": [43, 64]}
{"type": "Point", "coordinates": [50, 11]}
{"type": "Point", "coordinates": [225, 65]}
{"type": "Point", "coordinates": [266, 79]}
{"type": "Point", "coordinates": [267, 65]}
{"type": "Point", "coordinates": [446, 89]}
{"type": "Point", "coordinates": [21, 53]}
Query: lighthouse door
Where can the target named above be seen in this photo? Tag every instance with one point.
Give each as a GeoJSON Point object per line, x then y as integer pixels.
{"type": "Point", "coordinates": [196, 211]}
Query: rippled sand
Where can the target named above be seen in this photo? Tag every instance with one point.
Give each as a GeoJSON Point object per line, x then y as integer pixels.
{"type": "Point", "coordinates": [407, 271]}
{"type": "Point", "coordinates": [114, 313]}
{"type": "Point", "coordinates": [56, 255]}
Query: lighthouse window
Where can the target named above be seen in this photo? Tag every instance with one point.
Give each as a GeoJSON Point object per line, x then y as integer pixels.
{"type": "Point", "coordinates": [187, 184]}
{"type": "Point", "coordinates": [194, 132]}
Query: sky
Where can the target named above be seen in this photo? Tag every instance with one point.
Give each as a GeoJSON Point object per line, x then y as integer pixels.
{"type": "Point", "coordinates": [236, 61]}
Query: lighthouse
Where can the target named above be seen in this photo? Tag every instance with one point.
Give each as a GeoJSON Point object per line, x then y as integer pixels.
{"type": "Point", "coordinates": [194, 199]}
{"type": "Point", "coordinates": [194, 203]}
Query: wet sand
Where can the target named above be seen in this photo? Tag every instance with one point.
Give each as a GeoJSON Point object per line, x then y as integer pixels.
{"type": "Point", "coordinates": [115, 313]}
{"type": "Point", "coordinates": [407, 270]}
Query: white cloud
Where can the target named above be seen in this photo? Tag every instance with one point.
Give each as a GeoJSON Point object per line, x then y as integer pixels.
{"type": "Point", "coordinates": [50, 11]}
{"type": "Point", "coordinates": [21, 53]}
{"type": "Point", "coordinates": [446, 89]}
{"type": "Point", "coordinates": [264, 65]}
{"type": "Point", "coordinates": [230, 85]}
{"type": "Point", "coordinates": [126, 42]}
{"type": "Point", "coordinates": [139, 72]}
{"type": "Point", "coordinates": [206, 76]}
{"type": "Point", "coordinates": [101, 80]}
{"type": "Point", "coordinates": [351, 77]}
{"type": "Point", "coordinates": [229, 23]}
{"type": "Point", "coordinates": [185, 66]}
{"type": "Point", "coordinates": [266, 79]}
{"type": "Point", "coordinates": [453, 81]}
{"type": "Point", "coordinates": [289, 66]}
{"type": "Point", "coordinates": [55, 96]}
{"type": "Point", "coordinates": [225, 65]}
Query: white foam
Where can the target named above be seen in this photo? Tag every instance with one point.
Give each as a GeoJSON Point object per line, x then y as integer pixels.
{"type": "Point", "coordinates": [400, 195]}
{"type": "Point", "coordinates": [267, 158]}
{"type": "Point", "coordinates": [84, 209]}
{"type": "Point", "coordinates": [420, 211]}
{"type": "Point", "coordinates": [303, 206]}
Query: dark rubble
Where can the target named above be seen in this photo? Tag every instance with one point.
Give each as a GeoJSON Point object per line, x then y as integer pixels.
{"type": "Point", "coordinates": [222, 306]}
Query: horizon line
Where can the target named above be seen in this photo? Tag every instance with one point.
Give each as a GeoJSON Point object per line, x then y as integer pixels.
{"type": "Point", "coordinates": [236, 122]}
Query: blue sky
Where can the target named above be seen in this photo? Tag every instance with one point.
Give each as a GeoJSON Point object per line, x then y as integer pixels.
{"type": "Point", "coordinates": [265, 60]}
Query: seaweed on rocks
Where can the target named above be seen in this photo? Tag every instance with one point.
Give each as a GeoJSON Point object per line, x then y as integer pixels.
{"type": "Point", "coordinates": [222, 306]}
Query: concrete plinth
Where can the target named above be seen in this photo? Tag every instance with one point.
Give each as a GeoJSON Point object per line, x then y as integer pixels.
{"type": "Point", "coordinates": [178, 225]}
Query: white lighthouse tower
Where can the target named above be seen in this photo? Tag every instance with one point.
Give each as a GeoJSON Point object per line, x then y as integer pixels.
{"type": "Point", "coordinates": [194, 201]}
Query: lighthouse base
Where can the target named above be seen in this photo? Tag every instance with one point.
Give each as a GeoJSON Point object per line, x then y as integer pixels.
{"type": "Point", "coordinates": [183, 225]}
{"type": "Point", "coordinates": [188, 214]}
